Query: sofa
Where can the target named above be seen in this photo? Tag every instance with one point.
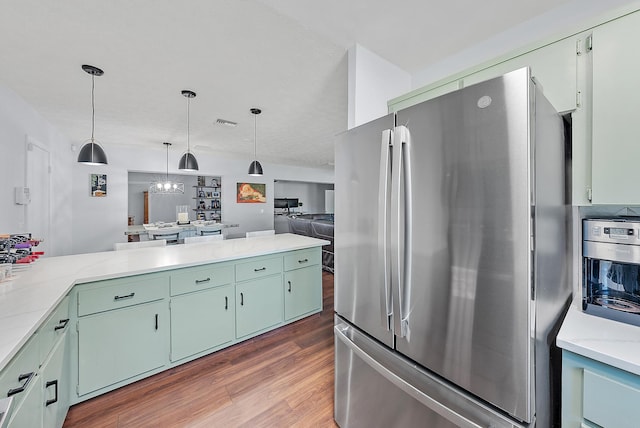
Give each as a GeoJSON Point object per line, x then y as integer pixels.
{"type": "Point", "coordinates": [316, 226]}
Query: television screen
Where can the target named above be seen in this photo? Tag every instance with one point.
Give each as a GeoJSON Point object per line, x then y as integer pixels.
{"type": "Point", "coordinates": [285, 202]}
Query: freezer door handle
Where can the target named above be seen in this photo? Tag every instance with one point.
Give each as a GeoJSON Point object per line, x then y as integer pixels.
{"type": "Point", "coordinates": [383, 221]}
{"type": "Point", "coordinates": [430, 402]}
{"type": "Point", "coordinates": [401, 226]}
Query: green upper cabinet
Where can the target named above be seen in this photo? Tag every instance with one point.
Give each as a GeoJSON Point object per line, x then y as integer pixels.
{"type": "Point", "coordinates": [552, 66]}
{"type": "Point", "coordinates": [616, 112]}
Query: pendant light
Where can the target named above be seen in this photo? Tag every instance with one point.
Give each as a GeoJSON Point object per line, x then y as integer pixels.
{"type": "Point", "coordinates": [166, 186]}
{"type": "Point", "coordinates": [255, 168]}
{"type": "Point", "coordinates": [91, 153]}
{"type": "Point", "coordinates": [188, 161]}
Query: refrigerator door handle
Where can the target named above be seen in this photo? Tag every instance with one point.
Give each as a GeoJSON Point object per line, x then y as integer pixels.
{"type": "Point", "coordinates": [428, 401]}
{"type": "Point", "coordinates": [401, 226]}
{"type": "Point", "coordinates": [383, 221]}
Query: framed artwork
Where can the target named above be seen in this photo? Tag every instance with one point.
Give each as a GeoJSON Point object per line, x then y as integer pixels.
{"type": "Point", "coordinates": [216, 194]}
{"type": "Point", "coordinates": [251, 193]}
{"type": "Point", "coordinates": [98, 185]}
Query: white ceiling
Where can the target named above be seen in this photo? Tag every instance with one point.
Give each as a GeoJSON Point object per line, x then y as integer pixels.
{"type": "Point", "coordinates": [287, 57]}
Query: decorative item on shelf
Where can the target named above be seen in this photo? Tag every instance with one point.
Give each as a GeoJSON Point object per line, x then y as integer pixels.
{"type": "Point", "coordinates": [255, 168]}
{"type": "Point", "coordinates": [201, 180]}
{"type": "Point", "coordinates": [215, 194]}
{"type": "Point", "coordinates": [182, 214]}
{"type": "Point", "coordinates": [91, 152]}
{"type": "Point", "coordinates": [201, 216]}
{"type": "Point", "coordinates": [214, 182]}
{"type": "Point", "coordinates": [166, 186]}
{"type": "Point", "coordinates": [201, 194]}
{"type": "Point", "coordinates": [208, 194]}
{"type": "Point", "coordinates": [202, 205]}
{"type": "Point", "coordinates": [188, 161]}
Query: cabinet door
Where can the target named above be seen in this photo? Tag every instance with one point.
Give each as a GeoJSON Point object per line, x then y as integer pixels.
{"type": "Point", "coordinates": [302, 291]}
{"type": "Point", "coordinates": [55, 377]}
{"type": "Point", "coordinates": [616, 107]}
{"type": "Point", "coordinates": [553, 66]}
{"type": "Point", "coordinates": [28, 413]}
{"type": "Point", "coordinates": [117, 345]}
{"type": "Point", "coordinates": [201, 321]}
{"type": "Point", "coordinates": [258, 305]}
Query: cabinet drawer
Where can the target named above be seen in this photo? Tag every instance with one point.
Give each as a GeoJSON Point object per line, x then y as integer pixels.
{"type": "Point", "coordinates": [258, 268]}
{"type": "Point", "coordinates": [20, 372]}
{"type": "Point", "coordinates": [302, 258]}
{"type": "Point", "coordinates": [54, 327]}
{"type": "Point", "coordinates": [607, 402]}
{"type": "Point", "coordinates": [120, 293]}
{"type": "Point", "coordinates": [200, 278]}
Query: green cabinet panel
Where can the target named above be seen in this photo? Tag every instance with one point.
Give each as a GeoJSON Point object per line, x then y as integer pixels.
{"type": "Point", "coordinates": [302, 291]}
{"type": "Point", "coordinates": [201, 321]}
{"type": "Point", "coordinates": [120, 293]}
{"type": "Point", "coordinates": [596, 394]}
{"type": "Point", "coordinates": [553, 66]}
{"type": "Point", "coordinates": [21, 372]}
{"type": "Point", "coordinates": [259, 305]}
{"type": "Point", "coordinates": [302, 258]}
{"type": "Point", "coordinates": [615, 144]}
{"type": "Point", "coordinates": [55, 378]}
{"type": "Point", "coordinates": [53, 329]}
{"type": "Point", "coordinates": [194, 279]}
{"type": "Point", "coordinates": [28, 413]}
{"type": "Point", "coordinates": [258, 267]}
{"type": "Point", "coordinates": [117, 345]}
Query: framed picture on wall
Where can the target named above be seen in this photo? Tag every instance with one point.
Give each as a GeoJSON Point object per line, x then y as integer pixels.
{"type": "Point", "coordinates": [98, 185]}
{"type": "Point", "coordinates": [251, 193]}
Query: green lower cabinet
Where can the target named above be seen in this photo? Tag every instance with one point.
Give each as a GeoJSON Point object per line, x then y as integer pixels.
{"type": "Point", "coordinates": [258, 305]}
{"type": "Point", "coordinates": [117, 345]}
{"type": "Point", "coordinates": [302, 291]}
{"type": "Point", "coordinates": [201, 321]}
{"type": "Point", "coordinates": [55, 378]}
{"type": "Point", "coordinates": [597, 395]}
{"type": "Point", "coordinates": [28, 413]}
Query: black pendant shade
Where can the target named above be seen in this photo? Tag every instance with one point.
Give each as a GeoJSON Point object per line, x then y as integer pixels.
{"type": "Point", "coordinates": [91, 153]}
{"type": "Point", "coordinates": [255, 168]}
{"type": "Point", "coordinates": [188, 162]}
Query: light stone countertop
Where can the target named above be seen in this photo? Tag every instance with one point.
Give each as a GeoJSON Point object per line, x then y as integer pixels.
{"type": "Point", "coordinates": [28, 299]}
{"type": "Point", "coordinates": [611, 342]}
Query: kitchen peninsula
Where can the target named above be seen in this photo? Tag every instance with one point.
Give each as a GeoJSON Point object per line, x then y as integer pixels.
{"type": "Point", "coordinates": [143, 311]}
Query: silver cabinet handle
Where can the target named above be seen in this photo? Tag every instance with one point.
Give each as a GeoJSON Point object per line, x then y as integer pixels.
{"type": "Point", "coordinates": [128, 296]}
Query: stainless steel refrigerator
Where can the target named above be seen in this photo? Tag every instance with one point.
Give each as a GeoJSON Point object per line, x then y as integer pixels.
{"type": "Point", "coordinates": [451, 259]}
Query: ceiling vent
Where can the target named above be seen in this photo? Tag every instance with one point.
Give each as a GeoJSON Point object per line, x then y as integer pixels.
{"type": "Point", "coordinates": [226, 123]}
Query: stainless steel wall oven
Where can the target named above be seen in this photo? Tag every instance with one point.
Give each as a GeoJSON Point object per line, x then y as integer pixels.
{"type": "Point", "coordinates": [611, 268]}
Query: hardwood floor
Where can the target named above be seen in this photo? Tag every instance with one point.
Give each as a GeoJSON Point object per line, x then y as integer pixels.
{"type": "Point", "coordinates": [283, 378]}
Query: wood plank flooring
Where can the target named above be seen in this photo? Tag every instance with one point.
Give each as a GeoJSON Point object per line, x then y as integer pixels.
{"type": "Point", "coordinates": [283, 378]}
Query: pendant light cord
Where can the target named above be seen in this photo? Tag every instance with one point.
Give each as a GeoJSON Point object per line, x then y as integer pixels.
{"type": "Point", "coordinates": [188, 125]}
{"type": "Point", "coordinates": [167, 162]}
{"type": "Point", "coordinates": [93, 106]}
{"type": "Point", "coordinates": [255, 140]}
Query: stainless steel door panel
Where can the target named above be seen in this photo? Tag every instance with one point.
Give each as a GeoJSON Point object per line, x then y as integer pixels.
{"type": "Point", "coordinates": [467, 306]}
{"type": "Point", "coordinates": [376, 387]}
{"type": "Point", "coordinates": [362, 289]}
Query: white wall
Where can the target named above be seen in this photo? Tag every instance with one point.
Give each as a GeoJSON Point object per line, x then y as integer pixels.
{"type": "Point", "coordinates": [372, 82]}
{"type": "Point", "coordinates": [99, 222]}
{"type": "Point", "coordinates": [19, 122]}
